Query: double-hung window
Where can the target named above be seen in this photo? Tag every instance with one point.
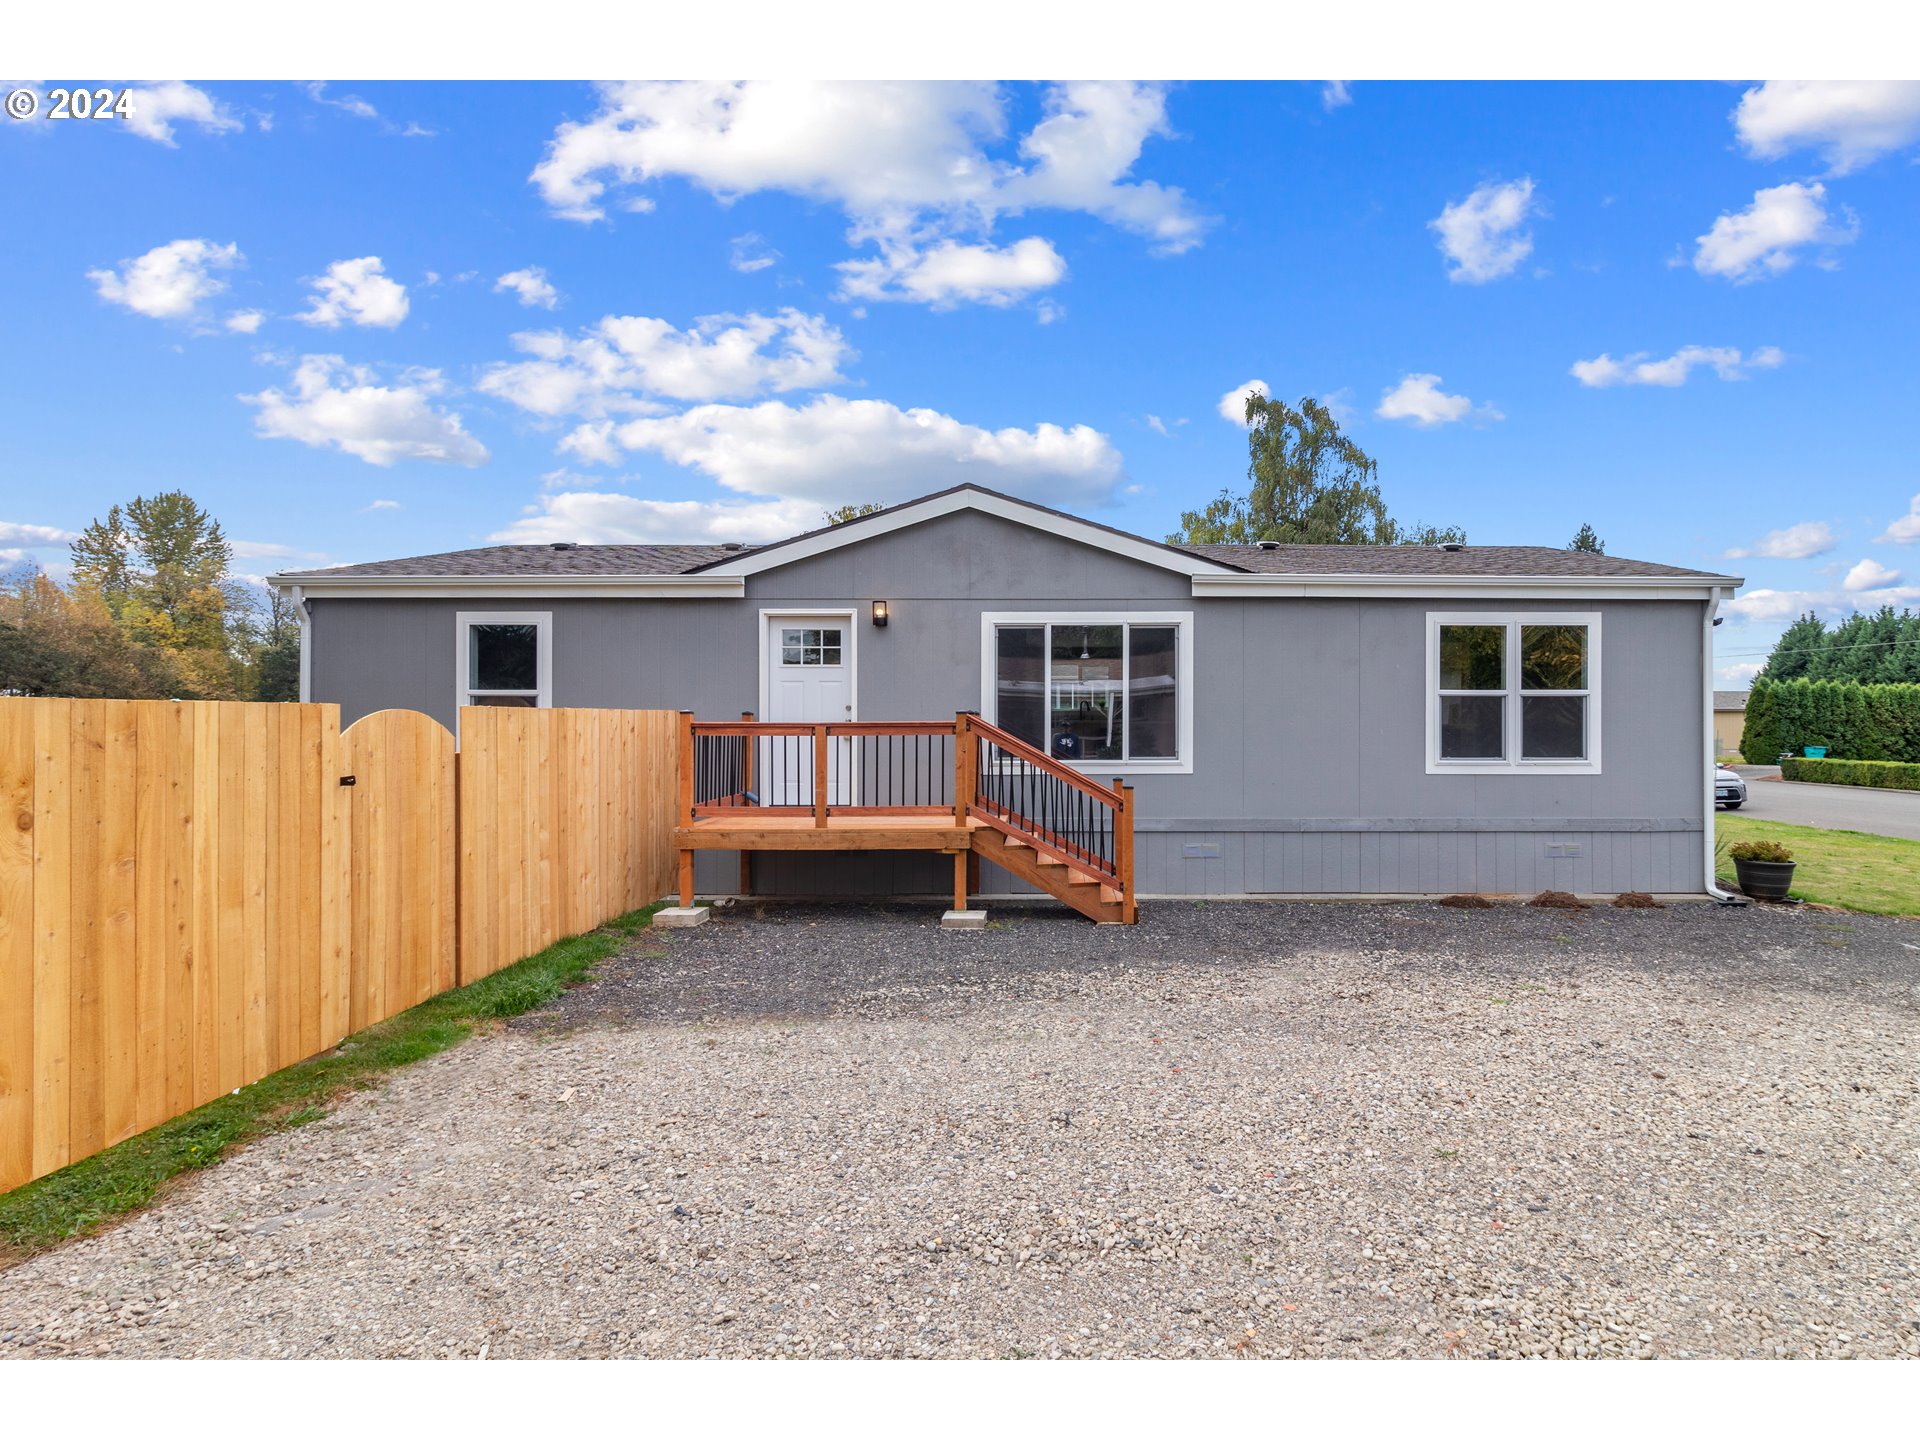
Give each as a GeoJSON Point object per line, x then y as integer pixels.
{"type": "Point", "coordinates": [504, 658]}
{"type": "Point", "coordinates": [1111, 693]}
{"type": "Point", "coordinates": [1513, 694]}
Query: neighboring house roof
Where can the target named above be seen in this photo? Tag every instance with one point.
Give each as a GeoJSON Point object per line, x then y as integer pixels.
{"type": "Point", "coordinates": [1214, 569]}
{"type": "Point", "coordinates": [1729, 699]}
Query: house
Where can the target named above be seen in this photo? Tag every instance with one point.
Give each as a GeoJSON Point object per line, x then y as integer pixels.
{"type": "Point", "coordinates": [1292, 720]}
{"type": "Point", "coordinates": [1729, 722]}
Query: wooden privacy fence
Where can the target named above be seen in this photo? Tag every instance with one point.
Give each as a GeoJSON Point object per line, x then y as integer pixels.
{"type": "Point", "coordinates": [191, 897]}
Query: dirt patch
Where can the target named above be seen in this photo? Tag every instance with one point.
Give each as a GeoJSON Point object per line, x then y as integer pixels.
{"type": "Point", "coordinates": [1466, 902]}
{"type": "Point", "coordinates": [1636, 900]}
{"type": "Point", "coordinates": [1558, 900]}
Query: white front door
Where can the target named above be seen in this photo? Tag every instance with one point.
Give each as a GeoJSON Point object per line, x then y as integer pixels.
{"type": "Point", "coordinates": [809, 681]}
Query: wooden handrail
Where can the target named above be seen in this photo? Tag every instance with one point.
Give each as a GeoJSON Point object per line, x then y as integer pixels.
{"type": "Point", "coordinates": [735, 729]}
{"type": "Point", "coordinates": [1033, 755]}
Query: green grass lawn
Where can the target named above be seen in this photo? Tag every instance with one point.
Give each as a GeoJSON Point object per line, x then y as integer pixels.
{"type": "Point", "coordinates": [77, 1199]}
{"type": "Point", "coordinates": [1836, 867]}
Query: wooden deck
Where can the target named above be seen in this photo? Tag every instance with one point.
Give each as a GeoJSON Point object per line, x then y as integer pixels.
{"type": "Point", "coordinates": [752, 830]}
{"type": "Point", "coordinates": [1014, 805]}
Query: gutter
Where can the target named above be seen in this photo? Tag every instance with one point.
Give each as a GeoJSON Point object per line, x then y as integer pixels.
{"type": "Point", "coordinates": [1492, 587]}
{"type": "Point", "coordinates": [1707, 623]}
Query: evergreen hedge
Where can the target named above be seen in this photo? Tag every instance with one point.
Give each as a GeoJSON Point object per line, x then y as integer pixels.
{"type": "Point", "coordinates": [1854, 722]}
{"type": "Point", "coordinates": [1885, 774]}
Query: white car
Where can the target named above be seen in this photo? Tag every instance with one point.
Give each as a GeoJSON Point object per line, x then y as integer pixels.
{"type": "Point", "coordinates": [1729, 790]}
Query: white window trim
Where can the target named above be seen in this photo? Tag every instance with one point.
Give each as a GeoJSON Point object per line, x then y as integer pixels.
{"type": "Point", "coordinates": [1181, 620]}
{"type": "Point", "coordinates": [1513, 764]}
{"type": "Point", "coordinates": [541, 620]}
{"type": "Point", "coordinates": [850, 650]}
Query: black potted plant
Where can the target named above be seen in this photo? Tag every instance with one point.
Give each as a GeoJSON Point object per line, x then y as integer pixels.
{"type": "Point", "coordinates": [1765, 868]}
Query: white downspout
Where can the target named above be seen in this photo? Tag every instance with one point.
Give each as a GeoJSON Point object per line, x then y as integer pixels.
{"type": "Point", "coordinates": [1711, 760]}
{"type": "Point", "coordinates": [305, 622]}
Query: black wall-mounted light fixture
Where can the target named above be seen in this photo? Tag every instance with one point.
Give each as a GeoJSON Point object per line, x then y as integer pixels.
{"type": "Point", "coordinates": [880, 614]}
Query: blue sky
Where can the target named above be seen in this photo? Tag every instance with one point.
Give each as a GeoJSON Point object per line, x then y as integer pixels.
{"type": "Point", "coordinates": [730, 307]}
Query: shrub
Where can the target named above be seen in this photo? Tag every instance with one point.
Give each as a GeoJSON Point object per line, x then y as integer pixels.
{"type": "Point", "coordinates": [1770, 852]}
{"type": "Point", "coordinates": [1885, 774]}
{"type": "Point", "coordinates": [1854, 722]}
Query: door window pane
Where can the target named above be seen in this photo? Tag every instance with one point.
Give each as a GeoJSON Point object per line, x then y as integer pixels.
{"type": "Point", "coordinates": [1471, 727]}
{"type": "Point", "coordinates": [1553, 727]}
{"type": "Point", "coordinates": [1020, 682]}
{"type": "Point", "coordinates": [503, 657]}
{"type": "Point", "coordinates": [1553, 657]}
{"type": "Point", "coordinates": [810, 647]}
{"type": "Point", "coordinates": [1473, 657]}
{"type": "Point", "coordinates": [1086, 720]}
{"type": "Point", "coordinates": [1152, 692]}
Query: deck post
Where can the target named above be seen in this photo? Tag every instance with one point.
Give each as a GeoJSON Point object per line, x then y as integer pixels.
{"type": "Point", "coordinates": [960, 879]}
{"type": "Point", "coordinates": [1123, 850]}
{"type": "Point", "coordinates": [746, 786]}
{"type": "Point", "coordinates": [686, 805]}
{"type": "Point", "coordinates": [819, 777]}
{"type": "Point", "coordinates": [964, 759]}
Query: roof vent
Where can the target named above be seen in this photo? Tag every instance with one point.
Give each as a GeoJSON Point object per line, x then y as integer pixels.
{"type": "Point", "coordinates": [1268, 544]}
{"type": "Point", "coordinates": [733, 545]}
{"type": "Point", "coordinates": [564, 545]}
{"type": "Point", "coordinates": [1453, 545]}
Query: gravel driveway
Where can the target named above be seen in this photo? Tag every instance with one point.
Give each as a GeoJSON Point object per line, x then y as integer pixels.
{"type": "Point", "coordinates": [1256, 1130]}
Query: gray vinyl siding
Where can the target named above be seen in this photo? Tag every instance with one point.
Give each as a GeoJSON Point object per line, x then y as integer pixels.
{"type": "Point", "coordinates": [1309, 754]}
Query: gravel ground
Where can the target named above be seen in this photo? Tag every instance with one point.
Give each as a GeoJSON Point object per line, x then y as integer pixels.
{"type": "Point", "coordinates": [1237, 1130]}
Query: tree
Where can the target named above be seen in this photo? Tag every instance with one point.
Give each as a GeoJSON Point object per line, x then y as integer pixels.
{"type": "Point", "coordinates": [1587, 542]}
{"type": "Point", "coordinates": [1794, 652]}
{"type": "Point", "coordinates": [160, 568]}
{"type": "Point", "coordinates": [276, 659]}
{"type": "Point", "coordinates": [844, 513]}
{"type": "Point", "coordinates": [1307, 484]}
{"type": "Point", "coordinates": [65, 642]}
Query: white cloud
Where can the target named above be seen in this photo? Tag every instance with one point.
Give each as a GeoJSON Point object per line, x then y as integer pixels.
{"type": "Point", "coordinates": [1906, 529]}
{"type": "Point", "coordinates": [170, 281]}
{"type": "Point", "coordinates": [1334, 94]}
{"type": "Point", "coordinates": [626, 363]}
{"type": "Point", "coordinates": [1796, 542]}
{"type": "Point", "coordinates": [1741, 671]}
{"type": "Point", "coordinates": [1047, 311]}
{"type": "Point", "coordinates": [531, 285]}
{"type": "Point", "coordinates": [381, 505]}
{"type": "Point", "coordinates": [340, 405]}
{"type": "Point", "coordinates": [949, 272]}
{"type": "Point", "coordinates": [356, 292]}
{"type": "Point", "coordinates": [599, 518]}
{"type": "Point", "coordinates": [1482, 235]}
{"type": "Point", "coordinates": [1233, 404]}
{"type": "Point", "coordinates": [362, 109]}
{"type": "Point", "coordinates": [834, 447]}
{"type": "Point", "coordinates": [155, 109]}
{"type": "Point", "coordinates": [1760, 241]}
{"type": "Point", "coordinates": [17, 536]}
{"type": "Point", "coordinates": [752, 253]}
{"type": "Point", "coordinates": [908, 162]}
{"type": "Point", "coordinates": [1420, 399]}
{"type": "Point", "coordinates": [1774, 604]}
{"type": "Point", "coordinates": [1851, 122]}
{"type": "Point", "coordinates": [1870, 575]}
{"type": "Point", "coordinates": [1637, 369]}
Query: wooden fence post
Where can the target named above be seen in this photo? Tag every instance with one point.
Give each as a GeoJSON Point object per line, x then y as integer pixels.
{"type": "Point", "coordinates": [686, 804]}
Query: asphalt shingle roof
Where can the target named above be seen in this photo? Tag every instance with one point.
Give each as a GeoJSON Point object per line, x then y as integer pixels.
{"type": "Point", "coordinates": [1470, 560]}
{"type": "Point", "coordinates": [1415, 560]}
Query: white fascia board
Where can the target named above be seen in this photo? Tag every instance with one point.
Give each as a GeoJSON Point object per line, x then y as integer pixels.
{"type": "Point", "coordinates": [1462, 587]}
{"type": "Point", "coordinates": [513, 587]}
{"type": "Point", "coordinates": [1130, 547]}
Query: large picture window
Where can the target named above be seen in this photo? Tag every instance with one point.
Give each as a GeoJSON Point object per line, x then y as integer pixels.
{"type": "Point", "coordinates": [504, 658]}
{"type": "Point", "coordinates": [1106, 692]}
{"type": "Point", "coordinates": [1513, 693]}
